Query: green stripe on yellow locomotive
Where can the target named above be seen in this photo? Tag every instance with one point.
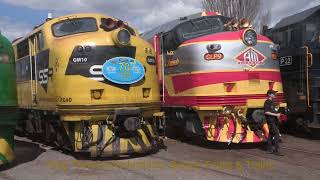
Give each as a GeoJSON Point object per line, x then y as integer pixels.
{"type": "Point", "coordinates": [68, 100]}
{"type": "Point", "coordinates": [8, 101]}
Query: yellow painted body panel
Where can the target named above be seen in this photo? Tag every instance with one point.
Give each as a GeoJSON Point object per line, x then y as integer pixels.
{"type": "Point", "coordinates": [6, 151]}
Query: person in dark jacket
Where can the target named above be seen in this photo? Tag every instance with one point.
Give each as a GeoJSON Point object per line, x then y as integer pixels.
{"type": "Point", "coordinates": [272, 118]}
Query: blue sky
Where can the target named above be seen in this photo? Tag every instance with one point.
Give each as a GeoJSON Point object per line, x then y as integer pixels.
{"type": "Point", "coordinates": [21, 14]}
{"type": "Point", "coordinates": [17, 17]}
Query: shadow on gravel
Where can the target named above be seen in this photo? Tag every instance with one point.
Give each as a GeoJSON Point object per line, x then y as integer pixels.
{"type": "Point", "coordinates": [24, 152]}
{"type": "Point", "coordinates": [201, 142]}
{"type": "Point", "coordinates": [311, 133]}
{"type": "Point", "coordinates": [86, 156]}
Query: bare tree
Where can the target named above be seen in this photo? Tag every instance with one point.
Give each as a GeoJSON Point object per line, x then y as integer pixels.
{"type": "Point", "coordinates": [263, 19]}
{"type": "Point", "coordinates": [254, 10]}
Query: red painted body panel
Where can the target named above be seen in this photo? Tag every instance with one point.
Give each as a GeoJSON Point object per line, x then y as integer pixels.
{"type": "Point", "coordinates": [203, 79]}
{"type": "Point", "coordinates": [229, 100]}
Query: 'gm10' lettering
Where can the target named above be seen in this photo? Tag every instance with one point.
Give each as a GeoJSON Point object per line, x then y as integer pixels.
{"type": "Point", "coordinates": [80, 60]}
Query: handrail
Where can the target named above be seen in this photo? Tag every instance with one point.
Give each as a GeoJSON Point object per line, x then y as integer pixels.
{"type": "Point", "coordinates": [311, 59]}
{"type": "Point", "coordinates": [309, 64]}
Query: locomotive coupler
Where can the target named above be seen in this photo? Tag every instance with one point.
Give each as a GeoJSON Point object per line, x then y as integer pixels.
{"type": "Point", "coordinates": [130, 119]}
{"type": "Point", "coordinates": [160, 124]}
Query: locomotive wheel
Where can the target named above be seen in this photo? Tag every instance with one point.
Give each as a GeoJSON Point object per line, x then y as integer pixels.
{"type": "Point", "coordinates": [193, 126]}
{"type": "Point", "coordinates": [21, 128]}
{"type": "Point", "coordinates": [61, 137]}
{"type": "Point", "coordinates": [174, 127]}
{"type": "Point", "coordinates": [301, 125]}
{"type": "Point", "coordinates": [299, 122]}
{"type": "Point", "coordinates": [60, 140]}
{"type": "Point", "coordinates": [187, 133]}
{"type": "Point", "coordinates": [30, 127]}
{"type": "Point", "coordinates": [50, 134]}
{"type": "Point", "coordinates": [34, 127]}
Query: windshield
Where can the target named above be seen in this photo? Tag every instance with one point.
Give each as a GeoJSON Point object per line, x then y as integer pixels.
{"type": "Point", "coordinates": [74, 26]}
{"type": "Point", "coordinates": [199, 27]}
{"type": "Point", "coordinates": [313, 32]}
{"type": "Point", "coordinates": [194, 28]}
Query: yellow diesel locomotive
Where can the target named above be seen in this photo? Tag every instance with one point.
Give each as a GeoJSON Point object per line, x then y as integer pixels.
{"type": "Point", "coordinates": [88, 83]}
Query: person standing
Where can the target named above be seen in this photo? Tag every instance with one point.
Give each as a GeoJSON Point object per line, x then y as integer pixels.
{"type": "Point", "coordinates": [272, 118]}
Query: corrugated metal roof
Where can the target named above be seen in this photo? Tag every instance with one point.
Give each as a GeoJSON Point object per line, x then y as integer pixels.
{"type": "Point", "coordinates": [296, 18]}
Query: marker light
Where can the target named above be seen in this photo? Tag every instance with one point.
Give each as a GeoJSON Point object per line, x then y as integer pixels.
{"type": "Point", "coordinates": [120, 24]}
{"type": "Point", "coordinates": [274, 56]}
{"type": "Point", "coordinates": [146, 92]}
{"type": "Point", "coordinates": [96, 94]}
{"type": "Point", "coordinates": [213, 47]}
{"type": "Point", "coordinates": [151, 60]}
{"type": "Point", "coordinates": [110, 23]}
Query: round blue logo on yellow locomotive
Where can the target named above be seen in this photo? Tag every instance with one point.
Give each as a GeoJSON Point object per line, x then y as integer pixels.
{"type": "Point", "coordinates": [123, 70]}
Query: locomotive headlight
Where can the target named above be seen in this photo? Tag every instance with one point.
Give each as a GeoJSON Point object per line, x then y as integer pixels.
{"type": "Point", "coordinates": [122, 37]}
{"type": "Point", "coordinates": [227, 110]}
{"type": "Point", "coordinates": [80, 48]}
{"type": "Point", "coordinates": [250, 37]}
{"type": "Point", "coordinates": [88, 48]}
{"type": "Point", "coordinates": [4, 58]}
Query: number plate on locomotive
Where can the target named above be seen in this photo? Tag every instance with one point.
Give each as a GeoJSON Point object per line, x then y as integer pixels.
{"type": "Point", "coordinates": [123, 70]}
{"type": "Point", "coordinates": [286, 61]}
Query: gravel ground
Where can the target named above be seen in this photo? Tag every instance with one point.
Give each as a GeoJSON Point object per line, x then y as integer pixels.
{"type": "Point", "coordinates": [181, 160]}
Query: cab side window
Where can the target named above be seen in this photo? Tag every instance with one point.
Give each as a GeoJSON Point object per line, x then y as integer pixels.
{"type": "Point", "coordinates": [284, 39]}
{"type": "Point", "coordinates": [23, 49]}
{"type": "Point", "coordinates": [296, 38]}
{"type": "Point", "coordinates": [169, 41]}
{"type": "Point", "coordinates": [40, 42]}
